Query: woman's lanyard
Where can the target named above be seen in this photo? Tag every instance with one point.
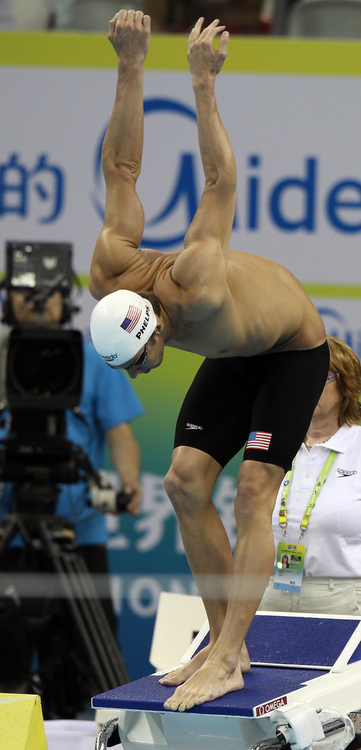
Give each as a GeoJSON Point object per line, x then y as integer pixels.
{"type": "Point", "coordinates": [311, 503]}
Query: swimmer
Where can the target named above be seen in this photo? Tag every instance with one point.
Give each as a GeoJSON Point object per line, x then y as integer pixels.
{"type": "Point", "coordinates": [264, 343]}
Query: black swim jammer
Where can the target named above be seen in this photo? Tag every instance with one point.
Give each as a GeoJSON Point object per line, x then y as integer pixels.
{"type": "Point", "coordinates": [266, 401]}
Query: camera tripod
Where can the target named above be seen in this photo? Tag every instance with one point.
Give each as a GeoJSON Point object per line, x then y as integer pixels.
{"type": "Point", "coordinates": [103, 665]}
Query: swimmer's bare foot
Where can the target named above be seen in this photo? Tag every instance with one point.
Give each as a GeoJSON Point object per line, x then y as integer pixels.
{"type": "Point", "coordinates": [212, 680]}
{"type": "Point", "coordinates": [180, 675]}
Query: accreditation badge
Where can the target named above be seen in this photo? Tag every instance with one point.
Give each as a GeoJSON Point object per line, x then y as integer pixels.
{"type": "Point", "coordinates": [289, 567]}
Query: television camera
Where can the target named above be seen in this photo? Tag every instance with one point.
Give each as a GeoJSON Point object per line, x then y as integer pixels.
{"type": "Point", "coordinates": [44, 377]}
{"type": "Point", "coordinates": [44, 369]}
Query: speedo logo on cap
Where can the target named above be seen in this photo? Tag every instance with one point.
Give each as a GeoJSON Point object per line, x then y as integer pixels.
{"type": "Point", "coordinates": [145, 323]}
{"type": "Point", "coordinates": [109, 357]}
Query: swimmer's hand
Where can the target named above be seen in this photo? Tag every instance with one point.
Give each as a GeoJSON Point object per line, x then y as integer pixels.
{"type": "Point", "coordinates": [202, 56]}
{"type": "Point", "coordinates": [129, 33]}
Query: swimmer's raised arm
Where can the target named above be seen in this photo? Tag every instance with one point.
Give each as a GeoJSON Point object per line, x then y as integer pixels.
{"type": "Point", "coordinates": [207, 240]}
{"type": "Point", "coordinates": [117, 245]}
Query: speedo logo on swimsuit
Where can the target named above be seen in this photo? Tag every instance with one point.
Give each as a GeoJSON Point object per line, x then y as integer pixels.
{"type": "Point", "coordinates": [190, 426]}
{"type": "Point", "coordinates": [259, 440]}
{"type": "Point", "coordinates": [145, 323]}
{"type": "Point", "coordinates": [344, 473]}
{"type": "Point", "coordinates": [109, 357]}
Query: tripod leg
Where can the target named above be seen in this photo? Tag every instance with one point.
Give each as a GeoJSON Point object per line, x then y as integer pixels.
{"type": "Point", "coordinates": [99, 642]}
{"type": "Point", "coordinates": [98, 620]}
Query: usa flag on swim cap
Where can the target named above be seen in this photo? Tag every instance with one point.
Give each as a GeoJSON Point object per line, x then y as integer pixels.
{"type": "Point", "coordinates": [131, 318]}
{"type": "Point", "coordinates": [259, 440]}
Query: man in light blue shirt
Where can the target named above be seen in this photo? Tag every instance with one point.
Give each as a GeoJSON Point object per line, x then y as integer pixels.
{"type": "Point", "coordinates": [108, 404]}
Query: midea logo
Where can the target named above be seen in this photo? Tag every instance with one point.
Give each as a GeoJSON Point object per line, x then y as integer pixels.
{"type": "Point", "coordinates": [342, 204]}
{"type": "Point", "coordinates": [291, 202]}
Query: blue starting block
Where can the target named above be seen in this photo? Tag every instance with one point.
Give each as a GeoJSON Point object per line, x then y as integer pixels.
{"type": "Point", "coordinates": [297, 660]}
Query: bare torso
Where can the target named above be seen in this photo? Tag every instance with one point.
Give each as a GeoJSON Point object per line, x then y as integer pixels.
{"type": "Point", "coordinates": [258, 305]}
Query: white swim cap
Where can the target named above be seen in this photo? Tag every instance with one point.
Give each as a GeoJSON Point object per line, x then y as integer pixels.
{"type": "Point", "coordinates": [120, 324]}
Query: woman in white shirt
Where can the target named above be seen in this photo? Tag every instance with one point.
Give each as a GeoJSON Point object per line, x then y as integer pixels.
{"type": "Point", "coordinates": [317, 516]}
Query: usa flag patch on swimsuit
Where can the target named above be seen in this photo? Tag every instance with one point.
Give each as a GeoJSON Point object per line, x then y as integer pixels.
{"type": "Point", "coordinates": [259, 440]}
{"type": "Point", "coordinates": [131, 318]}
